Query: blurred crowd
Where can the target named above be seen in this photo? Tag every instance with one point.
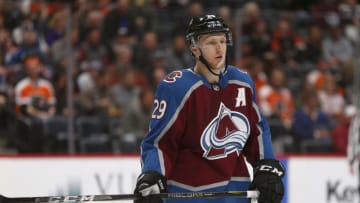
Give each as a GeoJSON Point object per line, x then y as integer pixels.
{"type": "Point", "coordinates": [301, 55]}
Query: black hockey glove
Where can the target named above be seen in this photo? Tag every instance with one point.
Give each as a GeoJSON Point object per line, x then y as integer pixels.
{"type": "Point", "coordinates": [267, 180]}
{"type": "Point", "coordinates": [150, 182]}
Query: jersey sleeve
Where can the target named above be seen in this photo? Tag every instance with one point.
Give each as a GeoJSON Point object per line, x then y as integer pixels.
{"type": "Point", "coordinates": [259, 146]}
{"type": "Point", "coordinates": [166, 126]}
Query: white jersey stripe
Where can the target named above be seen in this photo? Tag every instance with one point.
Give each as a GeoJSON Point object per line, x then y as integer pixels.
{"type": "Point", "coordinates": [205, 187]}
{"type": "Point", "coordinates": [170, 123]}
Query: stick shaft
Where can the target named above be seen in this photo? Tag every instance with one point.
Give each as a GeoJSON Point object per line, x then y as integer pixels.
{"type": "Point", "coordinates": [90, 198]}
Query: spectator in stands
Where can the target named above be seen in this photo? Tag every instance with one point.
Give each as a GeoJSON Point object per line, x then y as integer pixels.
{"type": "Point", "coordinates": [313, 40]}
{"type": "Point", "coordinates": [275, 99]}
{"type": "Point", "coordinates": [135, 119]}
{"type": "Point", "coordinates": [119, 20]}
{"type": "Point", "coordinates": [34, 95]}
{"type": "Point", "coordinates": [191, 9]}
{"type": "Point", "coordinates": [316, 77]}
{"type": "Point", "coordinates": [340, 132]}
{"type": "Point", "coordinates": [85, 81]}
{"type": "Point", "coordinates": [349, 11]}
{"type": "Point", "coordinates": [56, 27]}
{"type": "Point", "coordinates": [30, 45]}
{"type": "Point", "coordinates": [121, 39]}
{"type": "Point", "coordinates": [123, 60]}
{"type": "Point", "coordinates": [178, 55]}
{"type": "Point", "coordinates": [295, 72]}
{"type": "Point", "coordinates": [92, 48]}
{"type": "Point", "coordinates": [94, 93]}
{"type": "Point", "coordinates": [311, 126]}
{"type": "Point", "coordinates": [324, 11]}
{"type": "Point", "coordinates": [338, 50]}
{"type": "Point", "coordinates": [160, 70]}
{"type": "Point", "coordinates": [144, 53]}
{"type": "Point", "coordinates": [124, 92]}
{"type": "Point", "coordinates": [35, 103]}
{"type": "Point", "coordinates": [252, 16]}
{"type": "Point", "coordinates": [18, 32]}
{"type": "Point", "coordinates": [336, 47]}
{"type": "Point", "coordinates": [145, 19]}
{"type": "Point", "coordinates": [285, 42]}
{"type": "Point", "coordinates": [57, 53]}
{"type": "Point", "coordinates": [124, 55]}
{"type": "Point", "coordinates": [289, 47]}
{"type": "Point", "coordinates": [260, 40]}
{"type": "Point", "coordinates": [332, 101]}
{"type": "Point", "coordinates": [104, 6]}
{"type": "Point", "coordinates": [93, 18]}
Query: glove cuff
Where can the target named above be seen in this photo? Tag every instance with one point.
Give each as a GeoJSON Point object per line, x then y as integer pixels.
{"type": "Point", "coordinates": [269, 166]}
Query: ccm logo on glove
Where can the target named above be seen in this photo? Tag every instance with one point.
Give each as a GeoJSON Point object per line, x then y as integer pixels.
{"type": "Point", "coordinates": [271, 169]}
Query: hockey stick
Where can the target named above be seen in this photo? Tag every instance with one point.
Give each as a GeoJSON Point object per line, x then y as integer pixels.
{"type": "Point", "coordinates": [89, 198]}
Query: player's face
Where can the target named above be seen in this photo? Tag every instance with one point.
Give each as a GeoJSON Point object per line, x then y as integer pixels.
{"type": "Point", "coordinates": [213, 47]}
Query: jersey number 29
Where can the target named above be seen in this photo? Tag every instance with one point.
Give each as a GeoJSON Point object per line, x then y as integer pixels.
{"type": "Point", "coordinates": [159, 109]}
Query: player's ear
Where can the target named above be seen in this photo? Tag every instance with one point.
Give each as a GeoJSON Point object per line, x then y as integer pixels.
{"type": "Point", "coordinates": [195, 51]}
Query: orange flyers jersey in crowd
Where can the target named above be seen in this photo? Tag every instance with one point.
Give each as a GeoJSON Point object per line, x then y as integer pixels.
{"type": "Point", "coordinates": [260, 81]}
{"type": "Point", "coordinates": [316, 79]}
{"type": "Point", "coordinates": [276, 41]}
{"type": "Point", "coordinates": [274, 102]}
{"type": "Point", "coordinates": [26, 90]}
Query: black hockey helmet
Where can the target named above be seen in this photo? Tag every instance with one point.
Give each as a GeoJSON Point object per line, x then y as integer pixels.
{"type": "Point", "coordinates": [207, 24]}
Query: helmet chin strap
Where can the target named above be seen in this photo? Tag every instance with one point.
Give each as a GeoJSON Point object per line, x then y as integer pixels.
{"type": "Point", "coordinates": [203, 60]}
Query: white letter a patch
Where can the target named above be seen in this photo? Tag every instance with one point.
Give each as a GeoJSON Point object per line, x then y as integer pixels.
{"type": "Point", "coordinates": [240, 99]}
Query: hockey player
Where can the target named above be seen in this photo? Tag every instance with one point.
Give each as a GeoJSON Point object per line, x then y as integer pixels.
{"type": "Point", "coordinates": [205, 125]}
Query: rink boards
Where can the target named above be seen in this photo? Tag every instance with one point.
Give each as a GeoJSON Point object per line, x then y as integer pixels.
{"type": "Point", "coordinates": [320, 179]}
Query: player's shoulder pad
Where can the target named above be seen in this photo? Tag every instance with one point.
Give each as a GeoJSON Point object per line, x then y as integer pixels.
{"type": "Point", "coordinates": [177, 76]}
{"type": "Point", "coordinates": [180, 78]}
{"type": "Point", "coordinates": [235, 73]}
{"type": "Point", "coordinates": [178, 82]}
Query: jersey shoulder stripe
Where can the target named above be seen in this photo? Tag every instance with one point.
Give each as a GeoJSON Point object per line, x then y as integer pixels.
{"type": "Point", "coordinates": [177, 83]}
{"type": "Point", "coordinates": [235, 73]}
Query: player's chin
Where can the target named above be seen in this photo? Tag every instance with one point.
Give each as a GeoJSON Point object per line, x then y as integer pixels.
{"type": "Point", "coordinates": [219, 66]}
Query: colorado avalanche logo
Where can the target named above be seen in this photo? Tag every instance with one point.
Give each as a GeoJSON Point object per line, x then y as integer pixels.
{"type": "Point", "coordinates": [226, 133]}
{"type": "Point", "coordinates": [170, 78]}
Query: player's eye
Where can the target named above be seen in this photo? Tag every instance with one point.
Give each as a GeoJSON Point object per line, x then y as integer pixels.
{"type": "Point", "coordinates": [212, 43]}
{"type": "Point", "coordinates": [216, 42]}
